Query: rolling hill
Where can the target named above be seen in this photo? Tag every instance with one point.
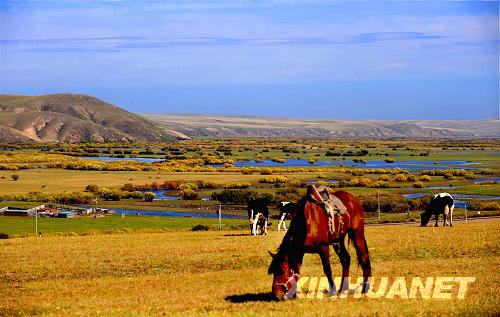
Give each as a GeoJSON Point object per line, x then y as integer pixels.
{"type": "Point", "coordinates": [80, 118]}
{"type": "Point", "coordinates": [71, 118]}
{"type": "Point", "coordinates": [245, 126]}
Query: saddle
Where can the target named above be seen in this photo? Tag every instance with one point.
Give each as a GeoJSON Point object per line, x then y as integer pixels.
{"type": "Point", "coordinates": [333, 207]}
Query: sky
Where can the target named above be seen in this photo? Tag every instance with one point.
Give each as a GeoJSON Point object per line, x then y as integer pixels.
{"type": "Point", "coordinates": [389, 60]}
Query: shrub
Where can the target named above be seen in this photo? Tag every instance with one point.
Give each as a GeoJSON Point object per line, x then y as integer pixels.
{"type": "Point", "coordinates": [364, 182]}
{"type": "Point", "coordinates": [469, 175]}
{"type": "Point", "coordinates": [171, 185]}
{"type": "Point", "coordinates": [390, 160]}
{"type": "Point", "coordinates": [292, 194]}
{"type": "Point", "coordinates": [188, 194]}
{"type": "Point", "coordinates": [293, 182]}
{"type": "Point", "coordinates": [384, 178]}
{"type": "Point", "coordinates": [93, 188]}
{"type": "Point", "coordinates": [206, 184]}
{"type": "Point", "coordinates": [134, 195]}
{"type": "Point", "coordinates": [418, 185]}
{"type": "Point", "coordinates": [14, 177]}
{"type": "Point", "coordinates": [411, 178]}
{"type": "Point", "coordinates": [400, 178]}
{"type": "Point", "coordinates": [388, 203]}
{"type": "Point", "coordinates": [129, 187]}
{"type": "Point", "coordinates": [484, 205]}
{"type": "Point", "coordinates": [240, 196]}
{"type": "Point", "coordinates": [108, 194]}
{"type": "Point", "coordinates": [380, 184]}
{"type": "Point", "coordinates": [200, 228]}
{"type": "Point", "coordinates": [321, 183]}
{"type": "Point", "coordinates": [237, 185]}
{"type": "Point", "coordinates": [425, 178]}
{"type": "Point", "coordinates": [273, 179]}
{"type": "Point", "coordinates": [278, 160]}
{"type": "Point", "coordinates": [4, 236]}
{"type": "Point", "coordinates": [448, 176]}
{"type": "Point", "coordinates": [332, 153]}
{"type": "Point", "coordinates": [191, 186]}
{"type": "Point", "coordinates": [266, 171]}
{"type": "Point", "coordinates": [149, 196]}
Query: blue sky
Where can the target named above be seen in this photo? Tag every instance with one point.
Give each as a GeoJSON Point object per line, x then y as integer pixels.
{"type": "Point", "coordinates": [331, 59]}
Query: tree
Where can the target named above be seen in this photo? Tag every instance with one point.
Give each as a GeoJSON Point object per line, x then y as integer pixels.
{"type": "Point", "coordinates": [14, 177]}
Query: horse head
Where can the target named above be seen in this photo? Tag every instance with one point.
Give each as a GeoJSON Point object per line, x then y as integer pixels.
{"type": "Point", "coordinates": [285, 276]}
{"type": "Point", "coordinates": [425, 216]}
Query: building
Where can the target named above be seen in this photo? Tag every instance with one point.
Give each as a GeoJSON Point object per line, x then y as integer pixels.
{"type": "Point", "coordinates": [66, 214]}
{"type": "Point", "coordinates": [20, 212]}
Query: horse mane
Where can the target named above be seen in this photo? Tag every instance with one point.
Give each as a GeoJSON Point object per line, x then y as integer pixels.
{"type": "Point", "coordinates": [293, 239]}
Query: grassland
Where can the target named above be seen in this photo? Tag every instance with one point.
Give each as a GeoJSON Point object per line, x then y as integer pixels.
{"type": "Point", "coordinates": [62, 175]}
{"type": "Point", "coordinates": [224, 273]}
{"type": "Point", "coordinates": [25, 226]}
{"type": "Point", "coordinates": [157, 266]}
{"type": "Point", "coordinates": [21, 227]}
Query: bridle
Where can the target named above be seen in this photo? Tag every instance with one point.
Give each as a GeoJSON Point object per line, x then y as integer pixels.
{"type": "Point", "coordinates": [288, 283]}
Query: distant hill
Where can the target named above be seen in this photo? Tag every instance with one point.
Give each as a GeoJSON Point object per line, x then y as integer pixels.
{"type": "Point", "coordinates": [80, 118]}
{"type": "Point", "coordinates": [71, 118]}
{"type": "Point", "coordinates": [245, 126]}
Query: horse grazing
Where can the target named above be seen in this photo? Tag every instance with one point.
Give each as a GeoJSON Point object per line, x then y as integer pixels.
{"type": "Point", "coordinates": [287, 210]}
{"type": "Point", "coordinates": [258, 216]}
{"type": "Point", "coordinates": [440, 204]}
{"type": "Point", "coordinates": [312, 230]}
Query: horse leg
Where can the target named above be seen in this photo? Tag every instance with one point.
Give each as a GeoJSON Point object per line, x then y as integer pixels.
{"type": "Point", "coordinates": [363, 258]}
{"type": "Point", "coordinates": [254, 226]}
{"type": "Point", "coordinates": [265, 227]}
{"type": "Point", "coordinates": [345, 261]}
{"type": "Point", "coordinates": [447, 213]}
{"type": "Point", "coordinates": [451, 215]}
{"type": "Point", "coordinates": [251, 222]}
{"type": "Point", "coordinates": [324, 254]}
{"type": "Point", "coordinates": [281, 222]}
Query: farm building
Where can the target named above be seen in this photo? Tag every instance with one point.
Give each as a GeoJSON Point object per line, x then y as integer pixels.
{"type": "Point", "coordinates": [20, 212]}
{"type": "Point", "coordinates": [66, 214]}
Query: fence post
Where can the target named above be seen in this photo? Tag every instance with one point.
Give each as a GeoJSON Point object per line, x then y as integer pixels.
{"type": "Point", "coordinates": [220, 217]}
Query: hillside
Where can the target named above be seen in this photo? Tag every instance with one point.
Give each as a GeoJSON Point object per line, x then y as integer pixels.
{"type": "Point", "coordinates": [81, 118]}
{"type": "Point", "coordinates": [71, 118]}
{"type": "Point", "coordinates": [243, 126]}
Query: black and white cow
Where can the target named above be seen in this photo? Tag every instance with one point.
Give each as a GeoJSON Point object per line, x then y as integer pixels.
{"type": "Point", "coordinates": [258, 215]}
{"type": "Point", "coordinates": [441, 203]}
{"type": "Point", "coordinates": [287, 210]}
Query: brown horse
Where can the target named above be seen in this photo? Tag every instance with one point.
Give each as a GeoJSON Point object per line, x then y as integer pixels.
{"type": "Point", "coordinates": [309, 233]}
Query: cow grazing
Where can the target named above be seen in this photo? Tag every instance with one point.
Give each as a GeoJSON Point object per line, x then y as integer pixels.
{"type": "Point", "coordinates": [258, 215]}
{"type": "Point", "coordinates": [441, 203]}
{"type": "Point", "coordinates": [287, 210]}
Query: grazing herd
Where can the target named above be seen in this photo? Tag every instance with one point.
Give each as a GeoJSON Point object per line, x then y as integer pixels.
{"type": "Point", "coordinates": [319, 220]}
{"type": "Point", "coordinates": [258, 212]}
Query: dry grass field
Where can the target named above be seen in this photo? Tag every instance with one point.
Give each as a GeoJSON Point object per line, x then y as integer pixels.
{"type": "Point", "coordinates": [224, 273]}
